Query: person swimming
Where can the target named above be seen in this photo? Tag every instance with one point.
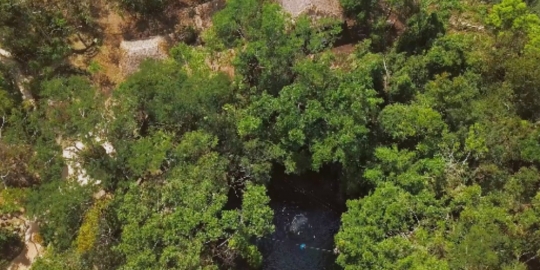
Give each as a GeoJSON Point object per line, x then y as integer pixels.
{"type": "Point", "coordinates": [298, 224]}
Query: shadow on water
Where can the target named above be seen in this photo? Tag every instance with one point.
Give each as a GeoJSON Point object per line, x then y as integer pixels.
{"type": "Point", "coordinates": [307, 210]}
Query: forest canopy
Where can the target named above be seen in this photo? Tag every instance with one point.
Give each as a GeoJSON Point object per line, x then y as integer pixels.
{"type": "Point", "coordinates": [431, 118]}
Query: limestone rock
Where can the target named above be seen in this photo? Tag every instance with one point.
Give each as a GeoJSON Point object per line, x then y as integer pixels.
{"type": "Point", "coordinates": [314, 8]}
{"type": "Point", "coordinates": [135, 52]}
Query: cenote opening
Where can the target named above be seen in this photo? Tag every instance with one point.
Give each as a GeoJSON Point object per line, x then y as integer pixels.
{"type": "Point", "coordinates": [307, 210]}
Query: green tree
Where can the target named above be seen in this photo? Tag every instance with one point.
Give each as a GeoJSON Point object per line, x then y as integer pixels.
{"type": "Point", "coordinates": [54, 259]}
{"type": "Point", "coordinates": [72, 107]}
{"type": "Point", "coordinates": [178, 223]}
{"type": "Point", "coordinates": [237, 21]}
{"type": "Point", "coordinates": [60, 205]}
{"type": "Point", "coordinates": [378, 230]}
{"type": "Point", "coordinates": [45, 31]}
{"type": "Point", "coordinates": [321, 118]}
{"type": "Point", "coordinates": [406, 121]}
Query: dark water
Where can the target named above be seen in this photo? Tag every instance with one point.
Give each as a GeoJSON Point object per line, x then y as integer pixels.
{"type": "Point", "coordinates": [307, 211]}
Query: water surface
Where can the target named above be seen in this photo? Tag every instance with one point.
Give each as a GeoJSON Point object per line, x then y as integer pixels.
{"type": "Point", "coordinates": [306, 211]}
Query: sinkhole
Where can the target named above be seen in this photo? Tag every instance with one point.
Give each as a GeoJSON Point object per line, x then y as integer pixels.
{"type": "Point", "coordinates": [307, 210]}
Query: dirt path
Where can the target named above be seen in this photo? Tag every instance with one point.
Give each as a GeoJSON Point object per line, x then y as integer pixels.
{"type": "Point", "coordinates": [31, 250]}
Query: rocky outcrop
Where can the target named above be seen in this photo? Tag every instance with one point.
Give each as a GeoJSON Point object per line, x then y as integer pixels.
{"type": "Point", "coordinates": [314, 8]}
{"type": "Point", "coordinates": [135, 52]}
{"type": "Point", "coordinates": [74, 168]}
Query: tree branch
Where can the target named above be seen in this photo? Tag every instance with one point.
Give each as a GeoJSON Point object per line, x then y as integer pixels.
{"type": "Point", "coordinates": [3, 177]}
{"type": "Point", "coordinates": [387, 77]}
{"type": "Point", "coordinates": [226, 240]}
{"type": "Point", "coordinates": [530, 259]}
{"type": "Point", "coordinates": [2, 126]}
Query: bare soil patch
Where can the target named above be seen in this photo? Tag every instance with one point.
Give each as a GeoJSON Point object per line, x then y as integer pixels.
{"type": "Point", "coordinates": [344, 49]}
{"type": "Point", "coordinates": [181, 20]}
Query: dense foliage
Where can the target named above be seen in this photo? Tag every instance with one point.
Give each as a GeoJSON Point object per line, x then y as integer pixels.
{"type": "Point", "coordinates": [432, 121]}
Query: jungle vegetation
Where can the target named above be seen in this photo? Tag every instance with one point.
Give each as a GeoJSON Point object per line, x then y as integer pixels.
{"type": "Point", "coordinates": [433, 125]}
